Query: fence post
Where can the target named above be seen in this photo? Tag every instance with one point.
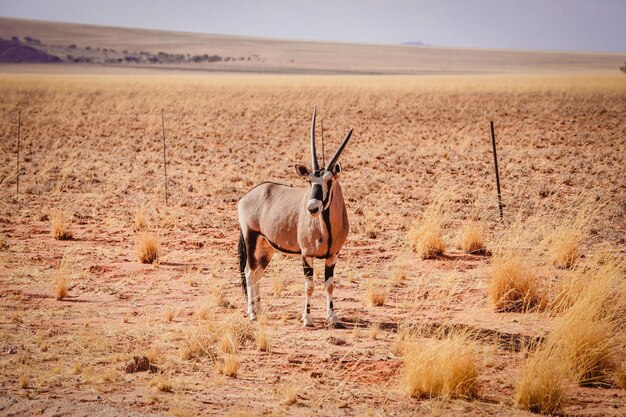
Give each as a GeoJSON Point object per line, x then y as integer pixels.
{"type": "Point", "coordinates": [495, 161]}
{"type": "Point", "coordinates": [164, 157]}
{"type": "Point", "coordinates": [19, 127]}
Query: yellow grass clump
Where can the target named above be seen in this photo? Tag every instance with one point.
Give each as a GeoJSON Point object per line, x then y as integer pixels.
{"type": "Point", "coordinates": [162, 383]}
{"type": "Point", "coordinates": [471, 238]}
{"type": "Point", "coordinates": [59, 229]}
{"type": "Point", "coordinates": [262, 340]}
{"type": "Point", "coordinates": [148, 247]}
{"type": "Point", "coordinates": [61, 283]}
{"type": "Point", "coordinates": [541, 384]}
{"type": "Point", "coordinates": [588, 333]}
{"type": "Point", "coordinates": [140, 219]}
{"type": "Point", "coordinates": [228, 365]}
{"type": "Point", "coordinates": [440, 368]}
{"type": "Point", "coordinates": [426, 235]}
{"type": "Point", "coordinates": [563, 242]}
{"type": "Point", "coordinates": [513, 287]}
{"type": "Point", "coordinates": [376, 294]}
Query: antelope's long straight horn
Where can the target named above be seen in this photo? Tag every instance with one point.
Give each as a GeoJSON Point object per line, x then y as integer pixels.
{"type": "Point", "coordinates": [314, 163]}
{"type": "Point", "coordinates": [333, 161]}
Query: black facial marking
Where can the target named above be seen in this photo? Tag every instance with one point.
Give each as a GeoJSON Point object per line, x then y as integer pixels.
{"type": "Point", "coordinates": [329, 271]}
{"type": "Point", "coordinates": [316, 192]}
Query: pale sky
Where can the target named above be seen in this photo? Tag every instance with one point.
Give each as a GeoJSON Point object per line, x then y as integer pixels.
{"type": "Point", "coordinates": [575, 25]}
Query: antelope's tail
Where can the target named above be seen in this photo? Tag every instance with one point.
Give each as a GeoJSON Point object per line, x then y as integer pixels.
{"type": "Point", "coordinates": [243, 259]}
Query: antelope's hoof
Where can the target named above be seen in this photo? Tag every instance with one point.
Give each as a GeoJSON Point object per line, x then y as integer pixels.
{"type": "Point", "coordinates": [333, 321]}
{"type": "Point", "coordinates": [252, 316]}
{"type": "Point", "coordinates": [307, 321]}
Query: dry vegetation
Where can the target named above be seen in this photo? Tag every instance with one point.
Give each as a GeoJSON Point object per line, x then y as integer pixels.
{"type": "Point", "coordinates": [536, 326]}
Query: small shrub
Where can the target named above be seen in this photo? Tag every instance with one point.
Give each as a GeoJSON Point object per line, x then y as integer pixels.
{"type": "Point", "coordinates": [513, 287]}
{"type": "Point", "coordinates": [148, 248]}
{"type": "Point", "coordinates": [446, 367]}
{"type": "Point", "coordinates": [59, 228]}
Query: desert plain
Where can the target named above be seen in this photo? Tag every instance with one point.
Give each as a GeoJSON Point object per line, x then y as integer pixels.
{"type": "Point", "coordinates": [75, 311]}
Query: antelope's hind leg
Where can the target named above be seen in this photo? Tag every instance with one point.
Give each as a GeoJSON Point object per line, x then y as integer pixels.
{"type": "Point", "coordinates": [307, 265]}
{"type": "Point", "coordinates": [329, 285]}
{"type": "Point", "coordinates": [260, 254]}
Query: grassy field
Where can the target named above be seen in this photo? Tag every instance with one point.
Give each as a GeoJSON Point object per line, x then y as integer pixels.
{"type": "Point", "coordinates": [430, 327]}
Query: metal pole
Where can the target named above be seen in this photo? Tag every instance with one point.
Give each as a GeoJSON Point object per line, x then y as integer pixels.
{"type": "Point", "coordinates": [495, 161]}
{"type": "Point", "coordinates": [19, 127]}
{"type": "Point", "coordinates": [164, 157]}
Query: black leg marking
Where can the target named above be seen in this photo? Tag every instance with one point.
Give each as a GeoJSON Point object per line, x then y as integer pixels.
{"type": "Point", "coordinates": [329, 271]}
{"type": "Point", "coordinates": [308, 271]}
{"type": "Point", "coordinates": [252, 243]}
{"type": "Point", "coordinates": [331, 305]}
{"type": "Point", "coordinates": [308, 308]}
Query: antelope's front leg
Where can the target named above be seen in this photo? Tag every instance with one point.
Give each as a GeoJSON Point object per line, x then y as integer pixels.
{"type": "Point", "coordinates": [307, 265]}
{"type": "Point", "coordinates": [329, 286]}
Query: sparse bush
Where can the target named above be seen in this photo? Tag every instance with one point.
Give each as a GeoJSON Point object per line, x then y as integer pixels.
{"type": "Point", "coordinates": [148, 247]}
{"type": "Point", "coordinates": [446, 367]}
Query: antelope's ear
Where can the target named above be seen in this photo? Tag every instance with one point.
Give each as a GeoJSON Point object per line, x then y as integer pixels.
{"type": "Point", "coordinates": [337, 169]}
{"type": "Point", "coordinates": [302, 170]}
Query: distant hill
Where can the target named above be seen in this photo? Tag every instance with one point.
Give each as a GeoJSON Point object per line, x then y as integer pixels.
{"type": "Point", "coordinates": [414, 43]}
{"type": "Point", "coordinates": [16, 52]}
{"type": "Point", "coordinates": [157, 49]}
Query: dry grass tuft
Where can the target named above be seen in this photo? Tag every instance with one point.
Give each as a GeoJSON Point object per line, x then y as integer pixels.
{"type": "Point", "coordinates": [376, 294]}
{"type": "Point", "coordinates": [170, 313]}
{"type": "Point", "coordinates": [148, 247]}
{"type": "Point", "coordinates": [217, 296]}
{"type": "Point", "coordinates": [290, 394]}
{"type": "Point", "coordinates": [441, 368]}
{"type": "Point", "coordinates": [564, 241]}
{"type": "Point", "coordinates": [140, 219]}
{"type": "Point", "coordinates": [162, 383]}
{"type": "Point", "coordinates": [61, 284]}
{"type": "Point", "coordinates": [199, 343]}
{"type": "Point", "coordinates": [587, 334]}
{"type": "Point", "coordinates": [202, 313]}
{"type": "Point", "coordinates": [278, 285]}
{"type": "Point", "coordinates": [471, 238]}
{"type": "Point", "coordinates": [541, 385]}
{"type": "Point", "coordinates": [374, 331]}
{"type": "Point", "coordinates": [23, 380]}
{"type": "Point", "coordinates": [513, 287]}
{"type": "Point", "coordinates": [262, 340]}
{"type": "Point", "coordinates": [426, 235]}
{"type": "Point", "coordinates": [59, 227]}
{"type": "Point", "coordinates": [228, 366]}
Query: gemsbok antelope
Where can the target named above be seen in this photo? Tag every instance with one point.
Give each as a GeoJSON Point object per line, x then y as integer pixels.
{"type": "Point", "coordinates": [310, 223]}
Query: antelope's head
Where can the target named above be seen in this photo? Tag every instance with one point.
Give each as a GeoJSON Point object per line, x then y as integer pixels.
{"type": "Point", "coordinates": [321, 180]}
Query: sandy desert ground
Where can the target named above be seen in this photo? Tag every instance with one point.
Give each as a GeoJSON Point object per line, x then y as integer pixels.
{"type": "Point", "coordinates": [91, 152]}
